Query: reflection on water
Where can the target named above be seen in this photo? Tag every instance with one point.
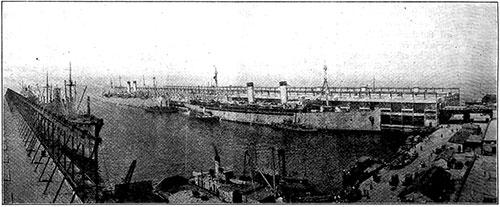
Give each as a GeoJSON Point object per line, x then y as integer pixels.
{"type": "Point", "coordinates": [174, 144]}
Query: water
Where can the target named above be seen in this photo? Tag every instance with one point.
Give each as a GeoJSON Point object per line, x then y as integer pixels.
{"type": "Point", "coordinates": [174, 144]}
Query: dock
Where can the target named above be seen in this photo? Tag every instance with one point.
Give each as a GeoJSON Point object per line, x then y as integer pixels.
{"type": "Point", "coordinates": [392, 108]}
{"type": "Point", "coordinates": [467, 168]}
{"type": "Point", "coordinates": [55, 146]}
{"type": "Point", "coordinates": [382, 192]}
{"type": "Point", "coordinates": [22, 173]}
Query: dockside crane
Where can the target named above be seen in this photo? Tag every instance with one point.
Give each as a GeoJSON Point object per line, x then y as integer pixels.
{"type": "Point", "coordinates": [123, 191]}
{"type": "Point", "coordinates": [130, 172]}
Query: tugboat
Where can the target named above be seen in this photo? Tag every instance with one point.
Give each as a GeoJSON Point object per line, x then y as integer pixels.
{"type": "Point", "coordinates": [222, 183]}
{"type": "Point", "coordinates": [204, 115]}
{"type": "Point", "coordinates": [162, 109]}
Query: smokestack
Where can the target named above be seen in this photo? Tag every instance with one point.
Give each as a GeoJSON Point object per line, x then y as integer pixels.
{"type": "Point", "coordinates": [250, 92]}
{"type": "Point", "coordinates": [88, 105]}
{"type": "Point", "coordinates": [135, 86]}
{"type": "Point", "coordinates": [283, 92]}
{"type": "Point", "coordinates": [57, 94]}
{"type": "Point", "coordinates": [216, 162]}
{"type": "Point", "coordinates": [281, 156]}
{"type": "Point", "coordinates": [128, 86]}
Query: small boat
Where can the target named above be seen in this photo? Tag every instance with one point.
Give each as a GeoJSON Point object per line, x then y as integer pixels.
{"type": "Point", "coordinates": [204, 116]}
{"type": "Point", "coordinates": [163, 107]}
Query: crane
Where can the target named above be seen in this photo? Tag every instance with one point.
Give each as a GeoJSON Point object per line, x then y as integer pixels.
{"type": "Point", "coordinates": [130, 172]}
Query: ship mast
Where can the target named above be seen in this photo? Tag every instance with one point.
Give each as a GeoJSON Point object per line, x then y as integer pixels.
{"type": "Point", "coordinates": [154, 86]}
{"type": "Point", "coordinates": [47, 88]}
{"type": "Point", "coordinates": [373, 83]}
{"type": "Point", "coordinates": [39, 94]}
{"type": "Point", "coordinates": [216, 84]}
{"type": "Point", "coordinates": [70, 85]}
{"type": "Point", "coordinates": [326, 90]}
{"type": "Point", "coordinates": [215, 77]}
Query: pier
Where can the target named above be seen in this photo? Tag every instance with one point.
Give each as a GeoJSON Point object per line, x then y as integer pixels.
{"type": "Point", "coordinates": [23, 181]}
{"type": "Point", "coordinates": [390, 94]}
{"type": "Point", "coordinates": [411, 108]}
{"type": "Point", "coordinates": [72, 150]}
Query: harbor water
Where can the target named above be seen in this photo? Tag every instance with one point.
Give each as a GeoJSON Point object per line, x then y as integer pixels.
{"type": "Point", "coordinates": [174, 144]}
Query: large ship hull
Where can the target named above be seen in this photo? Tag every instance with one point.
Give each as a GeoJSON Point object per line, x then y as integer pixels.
{"type": "Point", "coordinates": [355, 120]}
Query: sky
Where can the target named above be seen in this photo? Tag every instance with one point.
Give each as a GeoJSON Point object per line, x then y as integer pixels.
{"type": "Point", "coordinates": [395, 44]}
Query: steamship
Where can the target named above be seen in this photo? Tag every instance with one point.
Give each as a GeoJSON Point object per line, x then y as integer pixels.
{"type": "Point", "coordinates": [302, 115]}
{"type": "Point", "coordinates": [67, 107]}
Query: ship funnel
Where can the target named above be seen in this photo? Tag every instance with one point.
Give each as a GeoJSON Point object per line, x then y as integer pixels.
{"type": "Point", "coordinates": [57, 94]}
{"type": "Point", "coordinates": [250, 92]}
{"type": "Point", "coordinates": [283, 92]}
{"type": "Point", "coordinates": [88, 105]}
{"type": "Point", "coordinates": [216, 162]}
{"type": "Point", "coordinates": [128, 86]}
{"type": "Point", "coordinates": [134, 86]}
{"type": "Point", "coordinates": [281, 156]}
